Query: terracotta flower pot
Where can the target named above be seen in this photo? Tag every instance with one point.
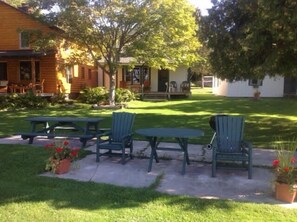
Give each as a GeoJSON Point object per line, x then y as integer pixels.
{"type": "Point", "coordinates": [284, 193]}
{"type": "Point", "coordinates": [63, 166]}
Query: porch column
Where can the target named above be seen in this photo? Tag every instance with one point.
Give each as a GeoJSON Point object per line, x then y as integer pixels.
{"type": "Point", "coordinates": [33, 74]}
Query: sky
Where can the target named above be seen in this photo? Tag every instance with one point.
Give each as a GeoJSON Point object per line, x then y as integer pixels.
{"type": "Point", "coordinates": [203, 5]}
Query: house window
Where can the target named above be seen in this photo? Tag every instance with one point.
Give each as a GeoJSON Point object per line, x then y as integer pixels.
{"type": "Point", "coordinates": [24, 40]}
{"type": "Point", "coordinates": [26, 70]}
{"type": "Point", "coordinates": [255, 82]}
{"type": "Point", "coordinates": [69, 74]}
{"type": "Point", "coordinates": [137, 75]}
{"type": "Point", "coordinates": [82, 70]}
{"type": "Point", "coordinates": [89, 74]}
{"type": "Point", "coordinates": [3, 71]}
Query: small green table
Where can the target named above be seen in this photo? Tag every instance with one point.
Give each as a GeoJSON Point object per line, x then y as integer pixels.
{"type": "Point", "coordinates": [180, 134]}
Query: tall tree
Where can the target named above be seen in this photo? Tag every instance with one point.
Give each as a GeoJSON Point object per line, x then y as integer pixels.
{"type": "Point", "coordinates": [201, 67]}
{"type": "Point", "coordinates": [158, 33]}
{"type": "Point", "coordinates": [252, 38]}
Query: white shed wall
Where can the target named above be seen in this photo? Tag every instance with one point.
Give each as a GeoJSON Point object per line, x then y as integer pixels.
{"type": "Point", "coordinates": [272, 87]}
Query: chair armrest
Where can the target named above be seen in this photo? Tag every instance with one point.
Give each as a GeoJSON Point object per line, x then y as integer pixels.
{"type": "Point", "coordinates": [127, 137]}
{"type": "Point", "coordinates": [107, 133]}
{"type": "Point", "coordinates": [99, 136]}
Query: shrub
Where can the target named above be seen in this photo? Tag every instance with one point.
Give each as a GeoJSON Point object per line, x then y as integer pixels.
{"type": "Point", "coordinates": [124, 95]}
{"type": "Point", "coordinates": [18, 101]}
{"type": "Point", "coordinates": [101, 94]}
{"type": "Point", "coordinates": [93, 95]}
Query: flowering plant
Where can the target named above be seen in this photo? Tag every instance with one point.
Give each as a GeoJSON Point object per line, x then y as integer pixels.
{"type": "Point", "coordinates": [285, 164]}
{"type": "Point", "coordinates": [59, 150]}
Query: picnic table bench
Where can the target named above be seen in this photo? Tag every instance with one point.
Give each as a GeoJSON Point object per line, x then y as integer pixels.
{"type": "Point", "coordinates": [84, 128]}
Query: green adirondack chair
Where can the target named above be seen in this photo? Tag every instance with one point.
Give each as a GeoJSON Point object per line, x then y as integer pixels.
{"type": "Point", "coordinates": [119, 137]}
{"type": "Point", "coordinates": [228, 144]}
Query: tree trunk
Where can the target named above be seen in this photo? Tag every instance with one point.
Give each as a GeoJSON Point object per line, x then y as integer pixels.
{"type": "Point", "coordinates": [112, 89]}
{"type": "Point", "coordinates": [202, 81]}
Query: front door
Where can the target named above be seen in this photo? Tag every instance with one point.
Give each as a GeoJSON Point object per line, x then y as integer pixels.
{"type": "Point", "coordinates": [3, 71]}
{"type": "Point", "coordinates": [290, 86]}
{"type": "Point", "coordinates": [163, 78]}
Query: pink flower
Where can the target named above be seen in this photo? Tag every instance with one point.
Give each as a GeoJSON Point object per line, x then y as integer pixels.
{"type": "Point", "coordinates": [286, 169]}
{"type": "Point", "coordinates": [65, 143]}
{"type": "Point", "coordinates": [293, 160]}
{"type": "Point", "coordinates": [275, 163]}
{"type": "Point", "coordinates": [59, 149]}
{"type": "Point", "coordinates": [74, 153]}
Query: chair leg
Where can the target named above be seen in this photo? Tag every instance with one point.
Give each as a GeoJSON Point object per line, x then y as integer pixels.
{"type": "Point", "coordinates": [97, 154]}
{"type": "Point", "coordinates": [250, 164]}
{"type": "Point", "coordinates": [131, 150]}
{"type": "Point", "coordinates": [250, 172]}
{"type": "Point", "coordinates": [214, 168]}
{"type": "Point", "coordinates": [250, 168]}
{"type": "Point", "coordinates": [123, 156]}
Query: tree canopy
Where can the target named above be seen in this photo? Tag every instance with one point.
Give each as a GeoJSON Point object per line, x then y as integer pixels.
{"type": "Point", "coordinates": [252, 38]}
{"type": "Point", "coordinates": [157, 33]}
{"type": "Point", "coordinates": [14, 2]}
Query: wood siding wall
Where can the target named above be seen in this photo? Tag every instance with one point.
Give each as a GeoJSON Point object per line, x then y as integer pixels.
{"type": "Point", "coordinates": [80, 81]}
{"type": "Point", "coordinates": [12, 21]}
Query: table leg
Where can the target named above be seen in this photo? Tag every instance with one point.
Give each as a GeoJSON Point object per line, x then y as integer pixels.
{"type": "Point", "coordinates": [31, 138]}
{"type": "Point", "coordinates": [91, 128]}
{"type": "Point", "coordinates": [153, 143]}
{"type": "Point", "coordinates": [183, 142]}
{"type": "Point", "coordinates": [84, 142]}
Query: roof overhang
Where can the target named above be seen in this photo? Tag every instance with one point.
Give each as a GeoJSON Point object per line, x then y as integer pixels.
{"type": "Point", "coordinates": [21, 53]}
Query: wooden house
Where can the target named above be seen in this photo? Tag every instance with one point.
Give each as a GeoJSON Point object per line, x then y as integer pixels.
{"type": "Point", "coordinates": [23, 68]}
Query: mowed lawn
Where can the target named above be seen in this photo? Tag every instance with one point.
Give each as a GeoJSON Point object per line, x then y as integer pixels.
{"type": "Point", "coordinates": [27, 196]}
{"type": "Point", "coordinates": [266, 119]}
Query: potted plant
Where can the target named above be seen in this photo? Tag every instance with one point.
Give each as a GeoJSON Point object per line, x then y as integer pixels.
{"type": "Point", "coordinates": [257, 94]}
{"type": "Point", "coordinates": [285, 171]}
{"type": "Point", "coordinates": [61, 155]}
{"type": "Point", "coordinates": [146, 86]}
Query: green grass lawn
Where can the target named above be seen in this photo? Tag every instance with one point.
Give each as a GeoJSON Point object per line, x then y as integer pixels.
{"type": "Point", "coordinates": [27, 196]}
{"type": "Point", "coordinates": [266, 119]}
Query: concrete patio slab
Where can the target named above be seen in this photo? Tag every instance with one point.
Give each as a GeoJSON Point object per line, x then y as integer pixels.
{"type": "Point", "coordinates": [230, 183]}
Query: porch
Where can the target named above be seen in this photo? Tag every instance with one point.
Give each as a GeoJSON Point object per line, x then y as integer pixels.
{"type": "Point", "coordinates": [25, 70]}
{"type": "Point", "coordinates": [170, 90]}
{"type": "Point", "coordinates": [163, 96]}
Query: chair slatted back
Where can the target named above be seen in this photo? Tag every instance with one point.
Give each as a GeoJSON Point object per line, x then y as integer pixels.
{"type": "Point", "coordinates": [122, 124]}
{"type": "Point", "coordinates": [229, 133]}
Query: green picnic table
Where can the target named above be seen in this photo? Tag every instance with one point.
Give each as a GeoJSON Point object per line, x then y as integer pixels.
{"type": "Point", "coordinates": [84, 128]}
{"type": "Point", "coordinates": [180, 134]}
